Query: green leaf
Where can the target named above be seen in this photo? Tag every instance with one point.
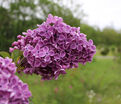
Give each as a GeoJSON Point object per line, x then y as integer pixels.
{"type": "Point", "coordinates": [16, 55]}
{"type": "Point", "coordinates": [4, 54]}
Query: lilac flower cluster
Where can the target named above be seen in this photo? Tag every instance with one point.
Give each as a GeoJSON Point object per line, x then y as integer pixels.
{"type": "Point", "coordinates": [12, 89]}
{"type": "Point", "coordinates": [53, 47]}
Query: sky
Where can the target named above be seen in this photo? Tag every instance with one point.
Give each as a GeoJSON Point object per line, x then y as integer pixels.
{"type": "Point", "coordinates": [101, 13]}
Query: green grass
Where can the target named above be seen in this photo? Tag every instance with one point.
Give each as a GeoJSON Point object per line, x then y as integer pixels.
{"type": "Point", "coordinates": [102, 77]}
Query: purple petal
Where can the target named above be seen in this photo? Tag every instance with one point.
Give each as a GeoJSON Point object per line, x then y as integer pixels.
{"type": "Point", "coordinates": [73, 46]}
{"type": "Point", "coordinates": [46, 49]}
{"type": "Point", "coordinates": [47, 58]}
{"type": "Point", "coordinates": [42, 53]}
{"type": "Point", "coordinates": [57, 56]}
{"type": "Point", "coordinates": [62, 53]}
{"type": "Point", "coordinates": [79, 47]}
{"type": "Point", "coordinates": [51, 53]}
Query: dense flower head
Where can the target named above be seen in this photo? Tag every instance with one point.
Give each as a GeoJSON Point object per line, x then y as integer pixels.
{"type": "Point", "coordinates": [12, 89]}
{"type": "Point", "coordinates": [53, 47]}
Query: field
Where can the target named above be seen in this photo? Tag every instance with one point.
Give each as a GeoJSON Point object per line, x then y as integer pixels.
{"type": "Point", "coordinates": [95, 83]}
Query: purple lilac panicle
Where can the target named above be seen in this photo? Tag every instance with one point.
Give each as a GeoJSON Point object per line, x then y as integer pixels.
{"type": "Point", "coordinates": [12, 89]}
{"type": "Point", "coordinates": [53, 47]}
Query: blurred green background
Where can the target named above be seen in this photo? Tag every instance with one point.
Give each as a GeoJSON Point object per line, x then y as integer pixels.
{"type": "Point", "coordinates": [95, 83]}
